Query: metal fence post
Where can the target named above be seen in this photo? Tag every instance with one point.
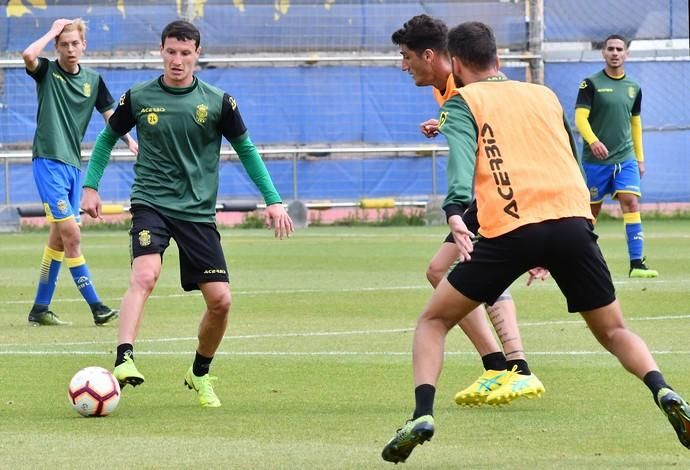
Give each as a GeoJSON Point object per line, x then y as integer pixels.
{"type": "Point", "coordinates": [433, 174]}
{"type": "Point", "coordinates": [295, 156]}
{"type": "Point", "coordinates": [7, 182]}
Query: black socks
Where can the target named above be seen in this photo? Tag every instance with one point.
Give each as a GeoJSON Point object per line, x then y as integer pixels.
{"type": "Point", "coordinates": [201, 365]}
{"type": "Point", "coordinates": [494, 361]}
{"type": "Point", "coordinates": [123, 350]}
{"type": "Point", "coordinates": [424, 400]}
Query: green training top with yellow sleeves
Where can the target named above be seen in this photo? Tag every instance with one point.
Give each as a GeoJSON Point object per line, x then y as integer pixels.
{"type": "Point", "coordinates": [509, 142]}
{"type": "Point", "coordinates": [65, 105]}
{"type": "Point", "coordinates": [611, 103]}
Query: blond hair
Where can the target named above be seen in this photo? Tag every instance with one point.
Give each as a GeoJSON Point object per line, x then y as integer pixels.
{"type": "Point", "coordinates": [76, 25]}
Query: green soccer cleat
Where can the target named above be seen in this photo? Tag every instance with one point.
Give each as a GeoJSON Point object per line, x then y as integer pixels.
{"type": "Point", "coordinates": [204, 388]}
{"type": "Point", "coordinates": [677, 411]}
{"type": "Point", "coordinates": [45, 318]}
{"type": "Point", "coordinates": [127, 373]}
{"type": "Point", "coordinates": [103, 314]}
{"type": "Point", "coordinates": [516, 386]}
{"type": "Point", "coordinates": [414, 432]}
{"type": "Point", "coordinates": [477, 393]}
{"type": "Point", "coordinates": [639, 269]}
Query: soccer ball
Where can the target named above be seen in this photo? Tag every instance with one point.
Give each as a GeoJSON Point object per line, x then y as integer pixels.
{"type": "Point", "coordinates": [93, 391]}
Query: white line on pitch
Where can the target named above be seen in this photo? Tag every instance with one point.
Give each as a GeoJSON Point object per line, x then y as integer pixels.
{"type": "Point", "coordinates": [330, 333]}
{"type": "Point", "coordinates": [553, 286]}
{"type": "Point", "coordinates": [234, 337]}
{"type": "Point", "coordinates": [315, 353]}
{"type": "Point", "coordinates": [252, 292]}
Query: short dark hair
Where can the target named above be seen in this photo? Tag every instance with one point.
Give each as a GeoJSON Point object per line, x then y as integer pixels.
{"type": "Point", "coordinates": [422, 32]}
{"type": "Point", "coordinates": [182, 31]}
{"type": "Point", "coordinates": [474, 44]}
{"type": "Point", "coordinates": [615, 36]}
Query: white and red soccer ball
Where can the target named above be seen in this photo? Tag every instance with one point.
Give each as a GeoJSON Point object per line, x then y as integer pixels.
{"type": "Point", "coordinates": [93, 391]}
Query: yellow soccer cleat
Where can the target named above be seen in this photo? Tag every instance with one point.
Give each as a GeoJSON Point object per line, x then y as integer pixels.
{"type": "Point", "coordinates": [477, 393]}
{"type": "Point", "coordinates": [204, 388]}
{"type": "Point", "coordinates": [639, 269]}
{"type": "Point", "coordinates": [127, 373]}
{"type": "Point", "coordinates": [413, 433]}
{"type": "Point", "coordinates": [516, 386]}
{"type": "Point", "coordinates": [677, 411]}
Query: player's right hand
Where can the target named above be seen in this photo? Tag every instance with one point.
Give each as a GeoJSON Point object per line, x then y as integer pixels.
{"type": "Point", "coordinates": [599, 150]}
{"type": "Point", "coordinates": [537, 274]}
{"type": "Point", "coordinates": [429, 128]}
{"type": "Point", "coordinates": [59, 25]}
{"type": "Point", "coordinates": [463, 237]}
{"type": "Point", "coordinates": [91, 203]}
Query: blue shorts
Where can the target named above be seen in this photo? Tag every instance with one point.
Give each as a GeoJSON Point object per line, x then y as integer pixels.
{"type": "Point", "coordinates": [59, 187]}
{"type": "Point", "coordinates": [603, 180]}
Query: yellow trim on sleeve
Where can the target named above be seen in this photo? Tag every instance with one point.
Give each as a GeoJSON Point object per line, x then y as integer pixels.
{"type": "Point", "coordinates": [636, 131]}
{"type": "Point", "coordinates": [583, 127]}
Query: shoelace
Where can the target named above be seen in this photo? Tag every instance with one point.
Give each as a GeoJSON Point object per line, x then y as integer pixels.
{"type": "Point", "coordinates": [513, 372]}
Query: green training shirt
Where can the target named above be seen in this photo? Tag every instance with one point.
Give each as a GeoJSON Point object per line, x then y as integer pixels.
{"type": "Point", "coordinates": [611, 103]}
{"type": "Point", "coordinates": [179, 132]}
{"type": "Point", "coordinates": [65, 105]}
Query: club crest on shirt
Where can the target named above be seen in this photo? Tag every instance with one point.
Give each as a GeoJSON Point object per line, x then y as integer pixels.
{"type": "Point", "coordinates": [87, 89]}
{"type": "Point", "coordinates": [442, 119]}
{"type": "Point", "coordinates": [152, 119]}
{"type": "Point", "coordinates": [631, 92]}
{"type": "Point", "coordinates": [201, 114]}
{"type": "Point", "coordinates": [144, 238]}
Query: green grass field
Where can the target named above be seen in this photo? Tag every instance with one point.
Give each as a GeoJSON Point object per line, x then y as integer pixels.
{"type": "Point", "coordinates": [315, 370]}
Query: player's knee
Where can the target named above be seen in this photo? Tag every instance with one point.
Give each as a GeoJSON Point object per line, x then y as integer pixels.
{"type": "Point", "coordinates": [630, 205]}
{"type": "Point", "coordinates": [220, 304]}
{"type": "Point", "coordinates": [144, 280]}
{"type": "Point", "coordinates": [70, 239]}
{"type": "Point", "coordinates": [434, 275]}
{"type": "Point", "coordinates": [609, 336]}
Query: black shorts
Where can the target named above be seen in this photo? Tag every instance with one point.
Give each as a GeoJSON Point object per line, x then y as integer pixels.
{"type": "Point", "coordinates": [566, 247]}
{"type": "Point", "coordinates": [201, 254]}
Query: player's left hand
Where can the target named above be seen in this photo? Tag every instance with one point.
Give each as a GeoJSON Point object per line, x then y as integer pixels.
{"type": "Point", "coordinates": [429, 128]}
{"type": "Point", "coordinates": [133, 146]}
{"type": "Point", "coordinates": [640, 166]}
{"type": "Point", "coordinates": [91, 203]}
{"type": "Point", "coordinates": [463, 237]}
{"type": "Point", "coordinates": [537, 274]}
{"type": "Point", "coordinates": [278, 218]}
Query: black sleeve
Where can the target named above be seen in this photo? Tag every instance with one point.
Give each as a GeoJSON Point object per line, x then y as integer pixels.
{"type": "Point", "coordinates": [585, 97]}
{"type": "Point", "coordinates": [104, 99]}
{"type": "Point", "coordinates": [122, 120]}
{"type": "Point", "coordinates": [40, 71]}
{"type": "Point", "coordinates": [453, 209]}
{"type": "Point", "coordinates": [637, 105]}
{"type": "Point", "coordinates": [231, 123]}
